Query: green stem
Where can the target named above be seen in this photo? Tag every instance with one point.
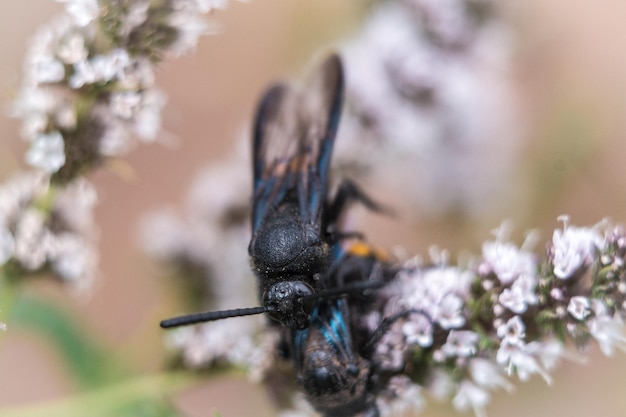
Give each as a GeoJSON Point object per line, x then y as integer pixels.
{"type": "Point", "coordinates": [107, 401]}
{"type": "Point", "coordinates": [8, 294]}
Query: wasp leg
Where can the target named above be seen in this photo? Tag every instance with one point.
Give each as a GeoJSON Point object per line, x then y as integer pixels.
{"type": "Point", "coordinates": [347, 193]}
{"type": "Point", "coordinates": [337, 235]}
{"type": "Point", "coordinates": [386, 324]}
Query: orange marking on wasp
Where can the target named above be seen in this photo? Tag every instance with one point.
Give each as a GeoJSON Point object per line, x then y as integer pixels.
{"type": "Point", "coordinates": [282, 167]}
{"type": "Point", "coordinates": [364, 250]}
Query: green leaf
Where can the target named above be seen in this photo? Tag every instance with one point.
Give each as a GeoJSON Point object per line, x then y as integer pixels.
{"type": "Point", "coordinates": [142, 407]}
{"type": "Point", "coordinates": [85, 358]}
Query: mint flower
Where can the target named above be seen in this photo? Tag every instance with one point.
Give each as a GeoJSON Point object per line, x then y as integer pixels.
{"type": "Point", "coordinates": [47, 152]}
{"type": "Point", "coordinates": [516, 325]}
{"type": "Point", "coordinates": [418, 106]}
{"type": "Point", "coordinates": [88, 91]}
{"type": "Point", "coordinates": [573, 248]}
{"type": "Point", "coordinates": [60, 237]}
{"type": "Point", "coordinates": [82, 11]}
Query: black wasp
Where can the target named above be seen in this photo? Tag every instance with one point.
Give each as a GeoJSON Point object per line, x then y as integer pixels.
{"type": "Point", "coordinates": [294, 223]}
{"type": "Point", "coordinates": [308, 279]}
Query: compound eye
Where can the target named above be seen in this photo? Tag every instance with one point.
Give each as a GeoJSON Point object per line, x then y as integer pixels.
{"type": "Point", "coordinates": [302, 289]}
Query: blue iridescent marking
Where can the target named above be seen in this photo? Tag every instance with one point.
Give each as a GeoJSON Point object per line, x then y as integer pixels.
{"type": "Point", "coordinates": [335, 330]}
{"type": "Point", "coordinates": [314, 202]}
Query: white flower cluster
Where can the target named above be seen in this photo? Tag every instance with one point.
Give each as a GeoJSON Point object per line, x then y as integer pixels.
{"type": "Point", "coordinates": [83, 11]}
{"type": "Point", "coordinates": [62, 63]}
{"type": "Point", "coordinates": [235, 342]}
{"type": "Point", "coordinates": [81, 99]}
{"type": "Point", "coordinates": [525, 359]}
{"type": "Point", "coordinates": [486, 326]}
{"type": "Point", "coordinates": [434, 297]}
{"type": "Point", "coordinates": [573, 248]}
{"type": "Point", "coordinates": [607, 328]}
{"type": "Point", "coordinates": [515, 269]}
{"type": "Point", "coordinates": [428, 94]}
{"type": "Point", "coordinates": [88, 86]}
{"type": "Point", "coordinates": [187, 20]}
{"type": "Point", "coordinates": [61, 237]}
{"type": "Point", "coordinates": [212, 236]}
{"type": "Point", "coordinates": [401, 396]}
{"type": "Point", "coordinates": [599, 311]}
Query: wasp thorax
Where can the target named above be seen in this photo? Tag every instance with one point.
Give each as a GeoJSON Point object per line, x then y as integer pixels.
{"type": "Point", "coordinates": [285, 245]}
{"type": "Point", "coordinates": [287, 302]}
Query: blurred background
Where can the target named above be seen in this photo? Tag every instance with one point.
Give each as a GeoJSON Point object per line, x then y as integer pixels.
{"type": "Point", "coordinates": [566, 78]}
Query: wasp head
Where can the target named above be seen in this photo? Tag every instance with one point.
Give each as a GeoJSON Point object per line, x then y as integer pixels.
{"type": "Point", "coordinates": [287, 302]}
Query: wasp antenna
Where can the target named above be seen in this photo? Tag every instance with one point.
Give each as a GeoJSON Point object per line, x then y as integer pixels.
{"type": "Point", "coordinates": [210, 316]}
{"type": "Point", "coordinates": [346, 289]}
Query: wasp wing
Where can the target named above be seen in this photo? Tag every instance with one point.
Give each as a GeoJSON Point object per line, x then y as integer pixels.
{"type": "Point", "coordinates": [330, 321]}
{"type": "Point", "coordinates": [294, 132]}
{"type": "Point", "coordinates": [273, 142]}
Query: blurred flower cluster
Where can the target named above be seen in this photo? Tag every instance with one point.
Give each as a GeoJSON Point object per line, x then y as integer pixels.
{"type": "Point", "coordinates": [430, 97]}
{"type": "Point", "coordinates": [89, 84]}
{"type": "Point", "coordinates": [205, 250]}
{"type": "Point", "coordinates": [46, 229]}
{"type": "Point", "coordinates": [88, 90]}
